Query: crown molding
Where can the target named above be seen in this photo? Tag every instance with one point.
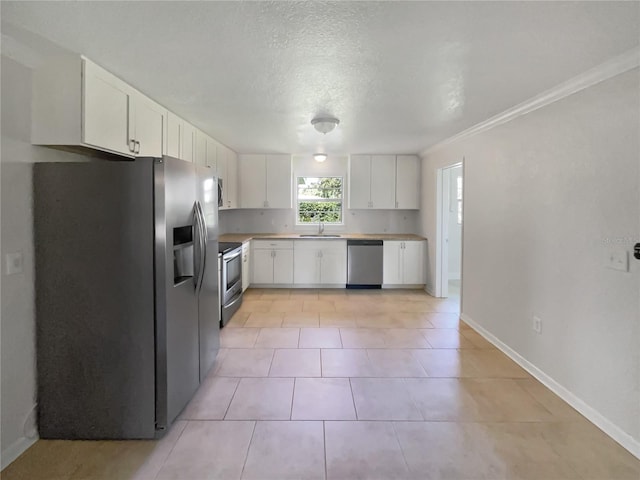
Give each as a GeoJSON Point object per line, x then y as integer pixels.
{"type": "Point", "coordinates": [616, 66]}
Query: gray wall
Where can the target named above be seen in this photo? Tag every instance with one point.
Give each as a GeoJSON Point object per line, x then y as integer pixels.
{"type": "Point", "coordinates": [18, 394]}
{"type": "Point", "coordinates": [547, 195]}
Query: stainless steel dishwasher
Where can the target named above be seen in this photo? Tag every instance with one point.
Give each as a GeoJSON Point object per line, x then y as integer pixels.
{"type": "Point", "coordinates": [364, 260]}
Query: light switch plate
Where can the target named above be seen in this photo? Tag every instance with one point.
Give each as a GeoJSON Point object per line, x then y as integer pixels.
{"type": "Point", "coordinates": [617, 259]}
{"type": "Point", "coordinates": [13, 263]}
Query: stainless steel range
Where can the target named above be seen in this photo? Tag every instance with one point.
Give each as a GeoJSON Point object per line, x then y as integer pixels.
{"type": "Point", "coordinates": [230, 279]}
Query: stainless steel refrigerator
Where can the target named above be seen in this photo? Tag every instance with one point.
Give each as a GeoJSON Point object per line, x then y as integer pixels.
{"type": "Point", "coordinates": [127, 308]}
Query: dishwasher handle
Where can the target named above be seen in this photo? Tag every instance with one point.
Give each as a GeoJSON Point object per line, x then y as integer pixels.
{"type": "Point", "coordinates": [363, 243]}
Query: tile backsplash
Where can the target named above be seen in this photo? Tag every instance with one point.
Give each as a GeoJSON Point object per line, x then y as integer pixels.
{"type": "Point", "coordinates": [283, 221]}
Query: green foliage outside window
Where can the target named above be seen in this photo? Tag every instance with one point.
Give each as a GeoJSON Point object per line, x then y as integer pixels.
{"type": "Point", "coordinates": [319, 200]}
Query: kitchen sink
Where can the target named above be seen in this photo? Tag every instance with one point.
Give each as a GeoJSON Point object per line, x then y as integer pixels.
{"type": "Point", "coordinates": [317, 235]}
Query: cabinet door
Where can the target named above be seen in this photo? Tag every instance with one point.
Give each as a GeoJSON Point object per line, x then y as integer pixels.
{"type": "Point", "coordinates": [333, 270]}
{"type": "Point", "coordinates": [174, 127]}
{"type": "Point", "coordinates": [187, 142]}
{"type": "Point", "coordinates": [223, 174]}
{"type": "Point", "coordinates": [407, 182]}
{"type": "Point", "coordinates": [306, 266]}
{"type": "Point", "coordinates": [106, 105]}
{"type": "Point", "coordinates": [412, 263]}
{"type": "Point", "coordinates": [212, 155]}
{"type": "Point", "coordinates": [252, 176]}
{"type": "Point", "coordinates": [392, 263]}
{"type": "Point", "coordinates": [246, 266]}
{"type": "Point", "coordinates": [148, 119]}
{"type": "Point", "coordinates": [283, 267]}
{"type": "Point", "coordinates": [279, 184]}
{"type": "Point", "coordinates": [383, 181]}
{"type": "Point", "coordinates": [200, 154]}
{"type": "Point", "coordinates": [262, 264]}
{"type": "Point", "coordinates": [231, 188]}
{"type": "Point", "coordinates": [360, 181]}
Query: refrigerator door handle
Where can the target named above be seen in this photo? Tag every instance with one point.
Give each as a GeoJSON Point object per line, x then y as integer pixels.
{"type": "Point", "coordinates": [197, 248]}
{"type": "Point", "coordinates": [202, 254]}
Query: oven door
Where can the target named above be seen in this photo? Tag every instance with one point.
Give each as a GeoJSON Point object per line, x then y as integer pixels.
{"type": "Point", "coordinates": [231, 281]}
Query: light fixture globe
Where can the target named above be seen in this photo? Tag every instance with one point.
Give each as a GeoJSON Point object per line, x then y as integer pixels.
{"type": "Point", "coordinates": [319, 157]}
{"type": "Point", "coordinates": [324, 124]}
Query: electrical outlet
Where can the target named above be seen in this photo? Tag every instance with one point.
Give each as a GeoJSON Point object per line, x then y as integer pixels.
{"type": "Point", "coordinates": [537, 325]}
{"type": "Point", "coordinates": [616, 258]}
{"type": "Point", "coordinates": [13, 263]}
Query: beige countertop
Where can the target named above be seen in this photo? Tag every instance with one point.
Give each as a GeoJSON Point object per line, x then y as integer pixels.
{"type": "Point", "coordinates": [245, 237]}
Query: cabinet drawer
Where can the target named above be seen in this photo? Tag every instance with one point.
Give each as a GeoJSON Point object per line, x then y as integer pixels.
{"type": "Point", "coordinates": [272, 244]}
{"type": "Point", "coordinates": [323, 245]}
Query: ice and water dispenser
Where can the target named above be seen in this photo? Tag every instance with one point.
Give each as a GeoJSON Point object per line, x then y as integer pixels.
{"type": "Point", "coordinates": [182, 254]}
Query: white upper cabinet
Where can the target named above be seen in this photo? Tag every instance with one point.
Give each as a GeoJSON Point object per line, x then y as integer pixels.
{"type": "Point", "coordinates": [360, 181]}
{"type": "Point", "coordinates": [200, 154]}
{"type": "Point", "coordinates": [187, 142]}
{"type": "Point", "coordinates": [174, 128]}
{"type": "Point", "coordinates": [146, 126]}
{"type": "Point", "coordinates": [181, 138]}
{"type": "Point", "coordinates": [384, 182]}
{"type": "Point", "coordinates": [253, 181]}
{"type": "Point", "coordinates": [265, 181]}
{"type": "Point", "coordinates": [231, 192]}
{"type": "Point", "coordinates": [211, 156]}
{"type": "Point", "coordinates": [372, 181]}
{"type": "Point", "coordinates": [78, 103]}
{"type": "Point", "coordinates": [407, 182]}
{"type": "Point", "coordinates": [107, 101]}
{"type": "Point", "coordinates": [278, 181]}
{"type": "Point", "coordinates": [383, 173]}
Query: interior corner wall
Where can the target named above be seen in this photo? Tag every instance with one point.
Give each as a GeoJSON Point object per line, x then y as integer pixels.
{"type": "Point", "coordinates": [18, 388]}
{"type": "Point", "coordinates": [548, 196]}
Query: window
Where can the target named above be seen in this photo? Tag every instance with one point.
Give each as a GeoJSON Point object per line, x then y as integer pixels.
{"type": "Point", "coordinates": [459, 198]}
{"type": "Point", "coordinates": [319, 200]}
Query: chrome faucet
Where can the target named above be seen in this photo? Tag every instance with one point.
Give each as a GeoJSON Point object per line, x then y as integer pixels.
{"type": "Point", "coordinates": [320, 227]}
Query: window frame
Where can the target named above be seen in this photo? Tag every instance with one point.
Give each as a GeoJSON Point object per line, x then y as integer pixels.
{"type": "Point", "coordinates": [297, 178]}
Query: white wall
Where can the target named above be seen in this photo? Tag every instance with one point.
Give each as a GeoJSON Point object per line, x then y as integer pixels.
{"type": "Point", "coordinates": [279, 221]}
{"type": "Point", "coordinates": [18, 394]}
{"type": "Point", "coordinates": [455, 230]}
{"type": "Point", "coordinates": [545, 195]}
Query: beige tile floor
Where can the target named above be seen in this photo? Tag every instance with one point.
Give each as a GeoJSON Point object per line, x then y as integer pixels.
{"type": "Point", "coordinates": [347, 385]}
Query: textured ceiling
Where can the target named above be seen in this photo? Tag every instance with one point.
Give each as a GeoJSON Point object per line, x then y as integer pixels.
{"type": "Point", "coordinates": [400, 76]}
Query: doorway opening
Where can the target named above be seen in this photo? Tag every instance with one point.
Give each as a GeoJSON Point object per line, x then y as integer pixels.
{"type": "Point", "coordinates": [450, 190]}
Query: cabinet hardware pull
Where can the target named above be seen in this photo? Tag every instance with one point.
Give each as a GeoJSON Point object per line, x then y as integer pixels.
{"type": "Point", "coordinates": [132, 145]}
{"type": "Point", "coordinates": [137, 147]}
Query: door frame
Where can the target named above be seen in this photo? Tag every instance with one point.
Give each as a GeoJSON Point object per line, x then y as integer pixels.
{"type": "Point", "coordinates": [443, 201]}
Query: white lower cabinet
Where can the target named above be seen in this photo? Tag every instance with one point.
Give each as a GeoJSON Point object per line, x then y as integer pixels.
{"type": "Point", "coordinates": [320, 262]}
{"type": "Point", "coordinates": [246, 265]}
{"type": "Point", "coordinates": [272, 262]}
{"type": "Point", "coordinates": [403, 262]}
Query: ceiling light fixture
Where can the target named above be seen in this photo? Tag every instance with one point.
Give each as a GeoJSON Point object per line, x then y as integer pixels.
{"type": "Point", "coordinates": [324, 124]}
{"type": "Point", "coordinates": [319, 157]}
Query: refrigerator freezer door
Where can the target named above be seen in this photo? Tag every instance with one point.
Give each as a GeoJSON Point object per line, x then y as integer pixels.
{"type": "Point", "coordinates": [177, 336]}
{"type": "Point", "coordinates": [208, 298]}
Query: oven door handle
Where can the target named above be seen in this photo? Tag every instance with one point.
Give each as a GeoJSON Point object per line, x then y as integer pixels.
{"type": "Point", "coordinates": [227, 257]}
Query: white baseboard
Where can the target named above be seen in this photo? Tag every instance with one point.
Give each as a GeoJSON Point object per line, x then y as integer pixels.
{"type": "Point", "coordinates": [14, 450]}
{"type": "Point", "coordinates": [607, 426]}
